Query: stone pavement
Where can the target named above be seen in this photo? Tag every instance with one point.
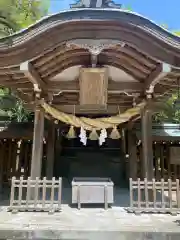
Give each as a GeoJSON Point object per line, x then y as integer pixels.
{"type": "Point", "coordinates": [88, 223]}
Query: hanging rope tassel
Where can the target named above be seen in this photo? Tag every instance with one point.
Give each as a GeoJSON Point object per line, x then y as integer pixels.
{"type": "Point", "coordinates": [71, 134]}
{"type": "Point", "coordinates": [93, 135]}
{"type": "Point", "coordinates": [115, 134]}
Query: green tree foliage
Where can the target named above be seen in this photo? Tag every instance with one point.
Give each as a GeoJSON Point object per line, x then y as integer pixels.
{"type": "Point", "coordinates": [18, 14]}
{"type": "Point", "coordinates": [14, 16]}
{"type": "Point", "coordinates": [169, 113]}
{"type": "Point", "coordinates": [12, 107]}
{"type": "Point", "coordinates": [128, 8]}
{"type": "Point", "coordinates": [177, 33]}
{"type": "Point", "coordinates": [18, 113]}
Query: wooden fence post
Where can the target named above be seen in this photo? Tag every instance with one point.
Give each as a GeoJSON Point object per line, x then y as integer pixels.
{"type": "Point", "coordinates": [39, 202]}
{"type": "Point", "coordinates": [166, 205]}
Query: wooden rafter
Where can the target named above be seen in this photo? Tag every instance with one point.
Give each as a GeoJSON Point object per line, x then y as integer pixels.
{"type": "Point", "coordinates": [25, 97]}
{"type": "Point", "coordinates": [122, 57]}
{"type": "Point", "coordinates": [61, 57]}
{"type": "Point", "coordinates": [131, 70]}
{"type": "Point", "coordinates": [161, 71]}
{"type": "Point", "coordinates": [69, 62]}
{"type": "Point", "coordinates": [82, 58]}
{"type": "Point", "coordinates": [30, 72]}
{"type": "Point", "coordinates": [65, 56]}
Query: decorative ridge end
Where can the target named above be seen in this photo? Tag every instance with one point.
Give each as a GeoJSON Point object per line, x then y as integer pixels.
{"type": "Point", "coordinates": [95, 4]}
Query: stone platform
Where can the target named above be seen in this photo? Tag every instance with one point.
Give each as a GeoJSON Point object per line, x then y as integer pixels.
{"type": "Point", "coordinates": [88, 223]}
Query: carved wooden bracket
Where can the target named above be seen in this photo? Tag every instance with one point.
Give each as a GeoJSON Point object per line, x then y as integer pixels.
{"type": "Point", "coordinates": [30, 72]}
{"type": "Point", "coordinates": [156, 76]}
{"type": "Point", "coordinates": [94, 46]}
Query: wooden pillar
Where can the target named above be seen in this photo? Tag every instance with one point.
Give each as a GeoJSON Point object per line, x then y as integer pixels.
{"type": "Point", "coordinates": [50, 151]}
{"type": "Point", "coordinates": [132, 150]}
{"type": "Point", "coordinates": [147, 147]}
{"type": "Point", "coordinates": [37, 149]}
{"type": "Point", "coordinates": [123, 141]}
{"type": "Point", "coordinates": [2, 155]}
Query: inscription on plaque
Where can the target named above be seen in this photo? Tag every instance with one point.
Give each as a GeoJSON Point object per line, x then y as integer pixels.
{"type": "Point", "coordinates": [93, 86]}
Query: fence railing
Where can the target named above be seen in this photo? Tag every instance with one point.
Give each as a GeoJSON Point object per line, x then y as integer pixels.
{"type": "Point", "coordinates": [154, 196]}
{"type": "Point", "coordinates": [35, 195]}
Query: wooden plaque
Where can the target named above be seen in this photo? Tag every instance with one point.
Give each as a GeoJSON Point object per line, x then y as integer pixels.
{"type": "Point", "coordinates": [93, 86]}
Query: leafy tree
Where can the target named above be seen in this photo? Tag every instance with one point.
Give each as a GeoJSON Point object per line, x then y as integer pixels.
{"type": "Point", "coordinates": [18, 14]}
{"type": "Point", "coordinates": [14, 16]}
{"type": "Point", "coordinates": [6, 25]}
{"type": "Point", "coordinates": [18, 113]}
{"type": "Point", "coordinates": [168, 112]}
{"type": "Point", "coordinates": [128, 8]}
{"type": "Point", "coordinates": [177, 33]}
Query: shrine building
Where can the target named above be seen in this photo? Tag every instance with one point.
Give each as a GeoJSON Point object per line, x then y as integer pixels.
{"type": "Point", "coordinates": [93, 75]}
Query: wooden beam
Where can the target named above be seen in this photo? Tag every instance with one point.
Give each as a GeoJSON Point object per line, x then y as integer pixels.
{"type": "Point", "coordinates": [162, 88]}
{"type": "Point", "coordinates": [111, 109]}
{"type": "Point", "coordinates": [116, 87]}
{"type": "Point", "coordinates": [69, 101]}
{"type": "Point", "coordinates": [30, 72]}
{"type": "Point", "coordinates": [156, 76]}
{"type": "Point", "coordinates": [16, 84]}
{"type": "Point", "coordinates": [73, 86]}
{"type": "Point", "coordinates": [9, 70]}
{"type": "Point", "coordinates": [28, 98]}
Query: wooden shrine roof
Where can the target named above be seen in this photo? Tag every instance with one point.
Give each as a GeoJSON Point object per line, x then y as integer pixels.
{"type": "Point", "coordinates": [39, 53]}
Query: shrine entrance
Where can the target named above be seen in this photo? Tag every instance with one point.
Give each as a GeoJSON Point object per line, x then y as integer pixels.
{"type": "Point", "coordinates": [92, 160]}
{"type": "Point", "coordinates": [74, 160]}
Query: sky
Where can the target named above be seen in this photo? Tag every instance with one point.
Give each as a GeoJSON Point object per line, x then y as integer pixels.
{"type": "Point", "coordinates": [163, 12]}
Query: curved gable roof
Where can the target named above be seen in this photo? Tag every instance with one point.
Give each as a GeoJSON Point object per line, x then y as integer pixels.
{"type": "Point", "coordinates": [96, 14]}
{"type": "Point", "coordinates": [91, 23]}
